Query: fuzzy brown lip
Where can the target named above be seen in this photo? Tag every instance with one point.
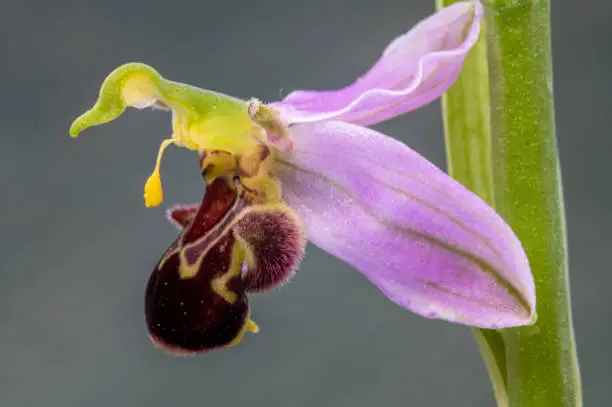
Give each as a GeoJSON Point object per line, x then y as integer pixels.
{"type": "Point", "coordinates": [186, 315]}
{"type": "Point", "coordinates": [230, 244]}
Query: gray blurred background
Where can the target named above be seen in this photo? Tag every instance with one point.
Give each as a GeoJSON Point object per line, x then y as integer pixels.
{"type": "Point", "coordinates": [78, 244]}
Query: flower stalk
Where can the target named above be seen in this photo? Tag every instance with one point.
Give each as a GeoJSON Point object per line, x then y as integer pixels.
{"type": "Point", "coordinates": [537, 365]}
{"type": "Point", "coordinates": [542, 363]}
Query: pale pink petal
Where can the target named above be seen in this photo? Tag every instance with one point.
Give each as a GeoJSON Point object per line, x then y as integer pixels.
{"type": "Point", "coordinates": [415, 69]}
{"type": "Point", "coordinates": [427, 242]}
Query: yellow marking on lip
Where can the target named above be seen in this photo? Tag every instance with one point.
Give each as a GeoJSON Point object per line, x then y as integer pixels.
{"type": "Point", "coordinates": [219, 284]}
{"type": "Point", "coordinates": [187, 270]}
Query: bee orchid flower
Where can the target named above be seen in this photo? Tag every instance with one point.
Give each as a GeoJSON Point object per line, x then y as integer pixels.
{"type": "Point", "coordinates": [307, 168]}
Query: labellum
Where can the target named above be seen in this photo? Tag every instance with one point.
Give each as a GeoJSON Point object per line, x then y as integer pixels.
{"type": "Point", "coordinates": [235, 242]}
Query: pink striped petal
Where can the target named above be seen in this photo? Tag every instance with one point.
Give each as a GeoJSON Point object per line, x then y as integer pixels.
{"type": "Point", "coordinates": [427, 242]}
{"type": "Point", "coordinates": [415, 69]}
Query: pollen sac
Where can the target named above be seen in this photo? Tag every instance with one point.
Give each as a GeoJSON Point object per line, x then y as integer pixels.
{"type": "Point", "coordinates": [230, 244]}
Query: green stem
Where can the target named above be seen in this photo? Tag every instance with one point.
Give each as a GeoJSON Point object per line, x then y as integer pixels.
{"type": "Point", "coordinates": [465, 109]}
{"type": "Point", "coordinates": [542, 366]}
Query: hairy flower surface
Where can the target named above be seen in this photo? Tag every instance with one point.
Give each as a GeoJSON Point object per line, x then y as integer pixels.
{"type": "Point", "coordinates": [305, 167]}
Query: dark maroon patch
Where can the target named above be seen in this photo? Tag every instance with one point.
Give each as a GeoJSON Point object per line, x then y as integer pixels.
{"type": "Point", "coordinates": [185, 315]}
{"type": "Point", "coordinates": [217, 201]}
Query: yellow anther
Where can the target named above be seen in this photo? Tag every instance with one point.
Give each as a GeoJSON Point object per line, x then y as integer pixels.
{"type": "Point", "coordinates": [153, 192]}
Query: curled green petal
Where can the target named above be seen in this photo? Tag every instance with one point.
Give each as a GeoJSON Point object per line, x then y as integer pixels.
{"type": "Point", "coordinates": [111, 103]}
